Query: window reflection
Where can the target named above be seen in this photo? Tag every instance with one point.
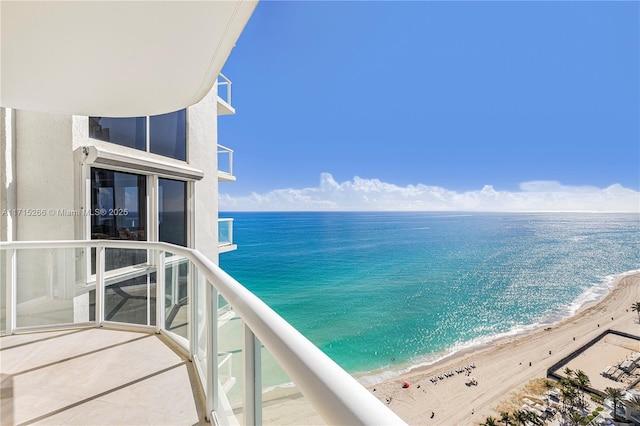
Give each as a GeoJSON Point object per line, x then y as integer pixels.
{"type": "Point", "coordinates": [118, 212]}
{"type": "Point", "coordinates": [131, 132]}
{"type": "Point", "coordinates": [168, 135]}
{"type": "Point", "coordinates": [172, 211]}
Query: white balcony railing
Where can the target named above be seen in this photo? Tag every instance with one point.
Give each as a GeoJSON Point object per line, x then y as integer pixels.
{"type": "Point", "coordinates": [48, 284]}
{"type": "Point", "coordinates": [224, 96]}
{"type": "Point", "coordinates": [225, 235]}
{"type": "Point", "coordinates": [225, 164]}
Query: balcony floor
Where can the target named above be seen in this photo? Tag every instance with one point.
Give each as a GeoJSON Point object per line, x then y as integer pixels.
{"type": "Point", "coordinates": [98, 377]}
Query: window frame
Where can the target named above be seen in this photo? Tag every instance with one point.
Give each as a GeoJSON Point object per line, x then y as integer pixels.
{"type": "Point", "coordinates": [152, 207]}
{"type": "Point", "coordinates": [148, 135]}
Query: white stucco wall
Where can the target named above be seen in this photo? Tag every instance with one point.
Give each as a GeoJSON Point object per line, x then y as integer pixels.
{"type": "Point", "coordinates": [7, 174]}
{"type": "Point", "coordinates": [202, 154]}
{"type": "Point", "coordinates": [44, 175]}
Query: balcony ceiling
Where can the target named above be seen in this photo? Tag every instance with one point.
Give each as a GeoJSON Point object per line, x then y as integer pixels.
{"type": "Point", "coordinates": [111, 58]}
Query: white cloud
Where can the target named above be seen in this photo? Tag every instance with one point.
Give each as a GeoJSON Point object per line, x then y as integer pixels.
{"type": "Point", "coordinates": [373, 194]}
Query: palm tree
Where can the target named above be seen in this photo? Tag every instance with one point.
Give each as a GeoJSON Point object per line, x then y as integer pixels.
{"type": "Point", "coordinates": [533, 418]}
{"type": "Point", "coordinates": [568, 372]}
{"type": "Point", "coordinates": [616, 396]}
{"type": "Point", "coordinates": [506, 418]}
{"type": "Point", "coordinates": [636, 307]}
{"type": "Point", "coordinates": [520, 417]}
{"type": "Point", "coordinates": [569, 395]}
{"type": "Point", "coordinates": [490, 421]}
{"type": "Point", "coordinates": [633, 403]}
{"type": "Point", "coordinates": [582, 380]}
{"type": "Point", "coordinates": [575, 419]}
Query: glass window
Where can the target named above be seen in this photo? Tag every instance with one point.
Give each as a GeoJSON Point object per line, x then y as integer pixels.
{"type": "Point", "coordinates": [168, 135]}
{"type": "Point", "coordinates": [131, 132]}
{"type": "Point", "coordinates": [119, 212]}
{"type": "Point", "coordinates": [172, 211]}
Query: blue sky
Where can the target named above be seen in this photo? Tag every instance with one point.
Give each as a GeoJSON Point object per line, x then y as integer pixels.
{"type": "Point", "coordinates": [399, 105]}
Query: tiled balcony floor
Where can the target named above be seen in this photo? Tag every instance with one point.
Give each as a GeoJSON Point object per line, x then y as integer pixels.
{"type": "Point", "coordinates": [96, 377]}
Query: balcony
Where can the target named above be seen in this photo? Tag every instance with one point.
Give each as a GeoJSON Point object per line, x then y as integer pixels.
{"type": "Point", "coordinates": [225, 235]}
{"type": "Point", "coordinates": [224, 96]}
{"type": "Point", "coordinates": [225, 164]}
{"type": "Point", "coordinates": [122, 341]}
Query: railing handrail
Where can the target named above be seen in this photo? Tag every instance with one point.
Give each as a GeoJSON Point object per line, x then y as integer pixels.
{"type": "Point", "coordinates": [335, 395]}
{"type": "Point", "coordinates": [224, 149]}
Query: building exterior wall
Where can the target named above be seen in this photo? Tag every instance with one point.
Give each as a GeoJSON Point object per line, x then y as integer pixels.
{"type": "Point", "coordinates": [203, 138]}
{"type": "Point", "coordinates": [44, 176]}
{"type": "Point", "coordinates": [7, 174]}
{"type": "Point", "coordinates": [42, 169]}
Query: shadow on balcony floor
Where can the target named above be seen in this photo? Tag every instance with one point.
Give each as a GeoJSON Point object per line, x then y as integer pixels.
{"type": "Point", "coordinates": [96, 376]}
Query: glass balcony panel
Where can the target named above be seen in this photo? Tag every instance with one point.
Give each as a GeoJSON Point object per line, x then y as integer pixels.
{"type": "Point", "coordinates": [225, 231]}
{"type": "Point", "coordinates": [131, 301]}
{"type": "Point", "coordinates": [51, 289]}
{"type": "Point", "coordinates": [116, 258]}
{"type": "Point", "coordinates": [130, 289]}
{"type": "Point", "coordinates": [176, 276]}
{"type": "Point", "coordinates": [200, 326]}
{"type": "Point", "coordinates": [282, 401]}
{"type": "Point", "coordinates": [230, 365]}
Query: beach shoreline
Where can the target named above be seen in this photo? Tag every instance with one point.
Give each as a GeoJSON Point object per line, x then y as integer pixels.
{"type": "Point", "coordinates": [504, 363]}
{"type": "Point", "coordinates": [370, 378]}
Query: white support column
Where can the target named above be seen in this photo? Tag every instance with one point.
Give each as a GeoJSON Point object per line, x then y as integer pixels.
{"type": "Point", "coordinates": [99, 286]}
{"type": "Point", "coordinates": [160, 302]}
{"type": "Point", "coordinates": [148, 298]}
{"type": "Point", "coordinates": [11, 295]}
{"type": "Point", "coordinates": [175, 288]}
{"type": "Point", "coordinates": [213, 378]}
{"type": "Point", "coordinates": [192, 330]}
{"type": "Point", "coordinates": [252, 389]}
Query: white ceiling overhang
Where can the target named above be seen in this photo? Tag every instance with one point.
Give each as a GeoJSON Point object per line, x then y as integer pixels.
{"type": "Point", "coordinates": [114, 58]}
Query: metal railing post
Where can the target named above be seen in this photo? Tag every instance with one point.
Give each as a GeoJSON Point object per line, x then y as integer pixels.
{"type": "Point", "coordinates": [252, 389]}
{"type": "Point", "coordinates": [211, 303]}
{"type": "Point", "coordinates": [11, 289]}
{"type": "Point", "coordinates": [192, 312]}
{"type": "Point", "coordinates": [160, 302]}
{"type": "Point", "coordinates": [100, 288]}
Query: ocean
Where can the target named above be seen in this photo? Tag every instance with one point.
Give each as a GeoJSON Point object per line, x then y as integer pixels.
{"type": "Point", "coordinates": [381, 293]}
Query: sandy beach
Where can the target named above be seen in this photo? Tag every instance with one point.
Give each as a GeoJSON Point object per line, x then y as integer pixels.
{"type": "Point", "coordinates": [503, 367]}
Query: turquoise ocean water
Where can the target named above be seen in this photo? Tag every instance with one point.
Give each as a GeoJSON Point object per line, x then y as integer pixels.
{"type": "Point", "coordinates": [393, 290]}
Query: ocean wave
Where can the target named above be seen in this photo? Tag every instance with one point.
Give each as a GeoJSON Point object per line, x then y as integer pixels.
{"type": "Point", "coordinates": [590, 295]}
{"type": "Point", "coordinates": [287, 385]}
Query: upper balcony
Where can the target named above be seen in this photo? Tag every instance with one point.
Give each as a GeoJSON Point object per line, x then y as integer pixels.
{"type": "Point", "coordinates": [225, 235]}
{"type": "Point", "coordinates": [98, 371]}
{"type": "Point", "coordinates": [224, 96]}
{"type": "Point", "coordinates": [225, 164]}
